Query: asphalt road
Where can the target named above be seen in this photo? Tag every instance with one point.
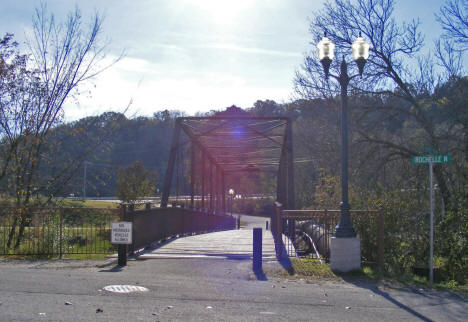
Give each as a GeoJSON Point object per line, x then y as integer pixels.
{"type": "Point", "coordinates": [203, 290]}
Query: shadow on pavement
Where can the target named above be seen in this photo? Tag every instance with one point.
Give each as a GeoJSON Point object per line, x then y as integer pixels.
{"type": "Point", "coordinates": [388, 297]}
{"type": "Point", "coordinates": [260, 275]}
{"type": "Point", "coordinates": [372, 287]}
{"type": "Point", "coordinates": [114, 269]}
{"type": "Point", "coordinates": [282, 255]}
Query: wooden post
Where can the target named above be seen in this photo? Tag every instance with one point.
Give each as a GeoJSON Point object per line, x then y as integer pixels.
{"type": "Point", "coordinates": [381, 241]}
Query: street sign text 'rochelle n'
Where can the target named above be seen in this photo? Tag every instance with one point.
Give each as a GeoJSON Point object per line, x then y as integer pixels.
{"type": "Point", "coordinates": [443, 158]}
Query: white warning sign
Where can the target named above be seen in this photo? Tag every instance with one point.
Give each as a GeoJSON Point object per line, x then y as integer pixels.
{"type": "Point", "coordinates": [121, 232]}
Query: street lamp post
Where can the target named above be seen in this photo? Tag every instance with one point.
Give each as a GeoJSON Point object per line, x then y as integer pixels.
{"type": "Point", "coordinates": [360, 50]}
{"type": "Point", "coordinates": [231, 195]}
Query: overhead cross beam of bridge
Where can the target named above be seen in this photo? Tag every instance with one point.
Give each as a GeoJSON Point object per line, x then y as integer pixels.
{"type": "Point", "coordinates": [220, 147]}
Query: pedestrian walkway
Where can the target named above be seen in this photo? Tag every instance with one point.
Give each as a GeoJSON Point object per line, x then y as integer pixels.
{"type": "Point", "coordinates": [231, 244]}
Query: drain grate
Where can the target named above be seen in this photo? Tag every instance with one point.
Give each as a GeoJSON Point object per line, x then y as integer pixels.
{"type": "Point", "coordinates": [125, 288]}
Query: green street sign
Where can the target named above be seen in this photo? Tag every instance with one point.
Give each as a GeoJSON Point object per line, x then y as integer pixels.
{"type": "Point", "coordinates": [443, 158]}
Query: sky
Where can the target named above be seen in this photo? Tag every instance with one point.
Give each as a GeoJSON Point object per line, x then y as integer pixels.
{"type": "Point", "coordinates": [196, 55]}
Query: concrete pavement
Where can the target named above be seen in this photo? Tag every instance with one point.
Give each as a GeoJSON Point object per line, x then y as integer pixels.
{"type": "Point", "coordinates": [204, 290]}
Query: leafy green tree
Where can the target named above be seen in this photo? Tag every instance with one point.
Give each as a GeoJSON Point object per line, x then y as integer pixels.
{"type": "Point", "coordinates": [135, 182]}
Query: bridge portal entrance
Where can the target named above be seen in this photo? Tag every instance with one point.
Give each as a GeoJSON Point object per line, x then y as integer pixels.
{"type": "Point", "coordinates": [216, 150]}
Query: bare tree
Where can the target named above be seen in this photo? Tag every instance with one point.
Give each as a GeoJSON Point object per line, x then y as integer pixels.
{"type": "Point", "coordinates": [450, 48]}
{"type": "Point", "coordinates": [391, 44]}
{"type": "Point", "coordinates": [399, 82]}
{"type": "Point", "coordinates": [453, 17]}
{"type": "Point", "coordinates": [62, 56]}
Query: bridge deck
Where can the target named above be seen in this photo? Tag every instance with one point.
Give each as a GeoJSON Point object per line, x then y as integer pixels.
{"type": "Point", "coordinates": [236, 244]}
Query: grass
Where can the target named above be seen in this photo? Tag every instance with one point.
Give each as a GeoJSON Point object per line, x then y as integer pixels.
{"type": "Point", "coordinates": [91, 204]}
{"type": "Point", "coordinates": [85, 256]}
{"type": "Point", "coordinates": [74, 240]}
{"type": "Point", "coordinates": [305, 268]}
{"type": "Point", "coordinates": [311, 269]}
{"type": "Point", "coordinates": [408, 279]}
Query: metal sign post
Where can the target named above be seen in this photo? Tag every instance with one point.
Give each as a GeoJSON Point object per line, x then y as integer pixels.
{"type": "Point", "coordinates": [431, 159]}
{"type": "Point", "coordinates": [431, 229]}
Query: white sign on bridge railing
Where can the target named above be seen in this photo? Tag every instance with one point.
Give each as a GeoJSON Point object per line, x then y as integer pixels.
{"type": "Point", "coordinates": [121, 232]}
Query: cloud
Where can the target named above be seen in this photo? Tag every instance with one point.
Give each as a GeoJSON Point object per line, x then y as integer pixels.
{"type": "Point", "coordinates": [252, 50]}
{"type": "Point", "coordinates": [152, 89]}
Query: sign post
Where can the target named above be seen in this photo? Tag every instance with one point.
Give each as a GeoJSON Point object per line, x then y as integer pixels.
{"type": "Point", "coordinates": [122, 236]}
{"type": "Point", "coordinates": [431, 221]}
{"type": "Point", "coordinates": [431, 159]}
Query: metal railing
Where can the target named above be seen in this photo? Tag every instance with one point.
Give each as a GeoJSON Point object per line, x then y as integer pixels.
{"type": "Point", "coordinates": [368, 224]}
{"type": "Point", "coordinates": [56, 231]}
{"type": "Point", "coordinates": [151, 225]}
{"type": "Point", "coordinates": [298, 244]}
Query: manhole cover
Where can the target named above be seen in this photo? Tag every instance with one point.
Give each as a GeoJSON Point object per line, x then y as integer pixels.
{"type": "Point", "coordinates": [125, 288]}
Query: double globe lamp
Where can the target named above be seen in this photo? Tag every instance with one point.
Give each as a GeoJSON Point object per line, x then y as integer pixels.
{"type": "Point", "coordinates": [326, 53]}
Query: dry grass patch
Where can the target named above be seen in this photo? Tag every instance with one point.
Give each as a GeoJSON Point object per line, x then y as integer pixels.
{"type": "Point", "coordinates": [305, 268]}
